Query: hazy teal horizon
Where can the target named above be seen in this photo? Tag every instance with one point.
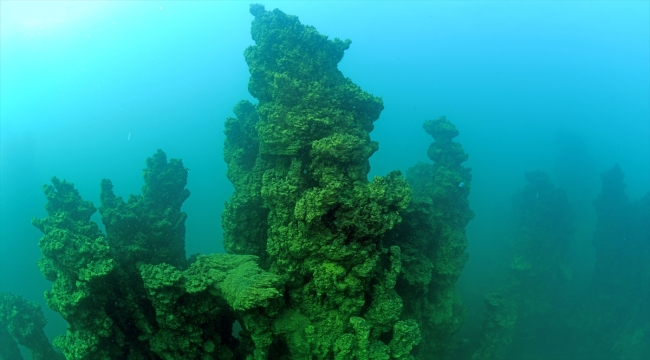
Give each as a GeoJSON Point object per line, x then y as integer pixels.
{"type": "Point", "coordinates": [89, 90]}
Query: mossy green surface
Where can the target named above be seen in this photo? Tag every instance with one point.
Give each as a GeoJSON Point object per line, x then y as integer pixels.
{"type": "Point", "coordinates": [149, 221]}
{"type": "Point", "coordinates": [23, 321]}
{"type": "Point", "coordinates": [244, 219]}
{"type": "Point", "coordinates": [321, 263]}
{"type": "Point", "coordinates": [196, 308]}
{"type": "Point", "coordinates": [130, 294]}
{"type": "Point", "coordinates": [328, 228]}
{"type": "Point", "coordinates": [433, 242]}
{"type": "Point", "coordinates": [308, 159]}
{"type": "Point", "coordinates": [76, 257]}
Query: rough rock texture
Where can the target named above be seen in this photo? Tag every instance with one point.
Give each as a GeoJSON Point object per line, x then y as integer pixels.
{"type": "Point", "coordinates": [131, 294]}
{"type": "Point", "coordinates": [317, 266]}
{"type": "Point", "coordinates": [433, 241]}
{"type": "Point", "coordinates": [22, 322]}
{"type": "Point", "coordinates": [299, 164]}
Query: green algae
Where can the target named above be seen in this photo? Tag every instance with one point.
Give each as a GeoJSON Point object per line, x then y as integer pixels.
{"type": "Point", "coordinates": [325, 219]}
{"type": "Point", "coordinates": [322, 262]}
{"type": "Point", "coordinates": [130, 293]}
{"type": "Point", "coordinates": [22, 322]}
{"type": "Point", "coordinates": [152, 220]}
{"type": "Point", "coordinates": [433, 242]}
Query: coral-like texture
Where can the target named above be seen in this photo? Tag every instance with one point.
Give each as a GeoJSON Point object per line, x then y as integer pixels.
{"type": "Point", "coordinates": [319, 266]}
{"type": "Point", "coordinates": [152, 220]}
{"type": "Point", "coordinates": [22, 322]}
{"type": "Point", "coordinates": [196, 308]}
{"type": "Point", "coordinates": [131, 294]}
{"type": "Point", "coordinates": [433, 241]}
{"type": "Point", "coordinates": [76, 257]}
{"type": "Point", "coordinates": [304, 149]}
{"type": "Point", "coordinates": [244, 219]}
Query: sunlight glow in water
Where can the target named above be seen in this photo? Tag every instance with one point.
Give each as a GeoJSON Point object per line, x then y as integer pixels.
{"type": "Point", "coordinates": [34, 17]}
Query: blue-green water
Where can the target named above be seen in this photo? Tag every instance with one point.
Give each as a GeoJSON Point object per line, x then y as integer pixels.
{"type": "Point", "coordinates": [89, 90]}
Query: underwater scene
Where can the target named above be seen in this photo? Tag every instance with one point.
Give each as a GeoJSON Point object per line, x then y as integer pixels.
{"type": "Point", "coordinates": [453, 180]}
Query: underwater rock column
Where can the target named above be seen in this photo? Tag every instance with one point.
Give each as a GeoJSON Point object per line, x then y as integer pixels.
{"type": "Point", "coordinates": [22, 322]}
{"type": "Point", "coordinates": [244, 220]}
{"type": "Point", "coordinates": [77, 259]}
{"type": "Point", "coordinates": [536, 295]}
{"type": "Point", "coordinates": [97, 287]}
{"type": "Point", "coordinates": [613, 322]}
{"type": "Point", "coordinates": [544, 223]}
{"type": "Point", "coordinates": [433, 242]}
{"type": "Point", "coordinates": [149, 228]}
{"type": "Point", "coordinates": [498, 327]}
{"type": "Point", "coordinates": [130, 294]}
{"type": "Point", "coordinates": [325, 219]}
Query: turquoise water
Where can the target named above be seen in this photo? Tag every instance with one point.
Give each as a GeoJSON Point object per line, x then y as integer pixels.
{"type": "Point", "coordinates": [90, 90]}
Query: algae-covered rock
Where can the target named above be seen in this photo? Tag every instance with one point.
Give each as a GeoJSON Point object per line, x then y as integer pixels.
{"type": "Point", "coordinates": [305, 154]}
{"type": "Point", "coordinates": [534, 298]}
{"type": "Point", "coordinates": [77, 258]}
{"type": "Point", "coordinates": [197, 308]}
{"type": "Point", "coordinates": [320, 264]}
{"type": "Point", "coordinates": [151, 221]}
{"type": "Point", "coordinates": [433, 242]}
{"type": "Point", "coordinates": [613, 320]}
{"type": "Point", "coordinates": [244, 219]}
{"type": "Point", "coordinates": [498, 327]}
{"type": "Point", "coordinates": [132, 294]}
{"type": "Point", "coordinates": [22, 322]}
